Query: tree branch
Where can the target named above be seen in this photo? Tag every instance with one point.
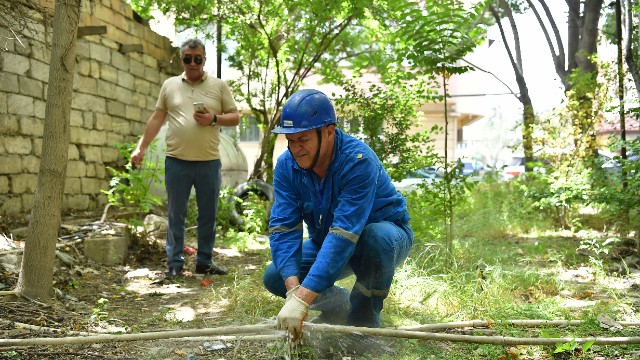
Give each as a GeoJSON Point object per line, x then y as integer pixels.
{"type": "Point", "coordinates": [494, 75]}
{"type": "Point", "coordinates": [559, 57]}
{"type": "Point", "coordinates": [516, 68]}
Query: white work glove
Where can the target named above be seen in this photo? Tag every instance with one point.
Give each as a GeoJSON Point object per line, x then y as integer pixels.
{"type": "Point", "coordinates": [290, 292]}
{"type": "Point", "coordinates": [292, 315]}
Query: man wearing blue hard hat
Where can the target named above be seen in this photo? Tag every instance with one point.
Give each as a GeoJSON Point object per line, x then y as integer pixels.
{"type": "Point", "coordinates": [357, 221]}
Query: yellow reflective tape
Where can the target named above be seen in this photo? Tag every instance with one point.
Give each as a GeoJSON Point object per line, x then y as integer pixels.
{"type": "Point", "coordinates": [283, 229]}
{"type": "Point", "coordinates": [368, 293]}
{"type": "Point", "coordinates": [345, 234]}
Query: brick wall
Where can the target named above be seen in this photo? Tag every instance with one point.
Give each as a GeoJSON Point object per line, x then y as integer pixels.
{"type": "Point", "coordinates": [115, 91]}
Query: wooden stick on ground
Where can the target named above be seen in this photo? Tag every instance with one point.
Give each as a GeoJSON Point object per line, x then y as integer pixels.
{"type": "Point", "coordinates": [20, 251]}
{"type": "Point", "coordinates": [488, 323]}
{"type": "Point", "coordinates": [44, 328]}
{"type": "Point", "coordinates": [108, 338]}
{"type": "Point", "coordinates": [257, 329]}
{"type": "Point", "coordinates": [494, 340]}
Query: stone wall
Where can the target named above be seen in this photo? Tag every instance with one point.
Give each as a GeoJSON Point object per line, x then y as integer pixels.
{"type": "Point", "coordinates": [117, 80]}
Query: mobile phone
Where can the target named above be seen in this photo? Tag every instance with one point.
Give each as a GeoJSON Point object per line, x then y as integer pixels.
{"type": "Point", "coordinates": [198, 107]}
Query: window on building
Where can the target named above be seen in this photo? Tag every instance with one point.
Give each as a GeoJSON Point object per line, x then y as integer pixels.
{"type": "Point", "coordinates": [229, 130]}
{"type": "Point", "coordinates": [249, 129]}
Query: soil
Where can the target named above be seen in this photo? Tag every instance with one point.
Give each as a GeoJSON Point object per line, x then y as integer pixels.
{"type": "Point", "coordinates": [140, 299]}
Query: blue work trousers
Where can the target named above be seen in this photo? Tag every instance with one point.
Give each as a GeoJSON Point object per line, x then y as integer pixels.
{"type": "Point", "coordinates": [380, 249]}
{"type": "Point", "coordinates": [180, 177]}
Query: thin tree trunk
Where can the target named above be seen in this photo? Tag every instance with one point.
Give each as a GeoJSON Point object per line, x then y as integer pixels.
{"type": "Point", "coordinates": [629, 49]}
{"type": "Point", "coordinates": [448, 196]}
{"type": "Point", "coordinates": [528, 112]}
{"type": "Point", "coordinates": [36, 274]}
{"type": "Point", "coordinates": [263, 167]}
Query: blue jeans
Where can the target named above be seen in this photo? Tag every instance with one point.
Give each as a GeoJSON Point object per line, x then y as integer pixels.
{"type": "Point", "coordinates": [180, 177]}
{"type": "Point", "coordinates": [382, 247]}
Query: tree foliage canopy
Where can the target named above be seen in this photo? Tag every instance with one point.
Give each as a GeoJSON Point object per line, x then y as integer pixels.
{"type": "Point", "coordinates": [276, 44]}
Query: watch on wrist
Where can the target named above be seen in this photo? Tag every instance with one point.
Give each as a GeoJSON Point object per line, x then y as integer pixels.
{"type": "Point", "coordinates": [215, 120]}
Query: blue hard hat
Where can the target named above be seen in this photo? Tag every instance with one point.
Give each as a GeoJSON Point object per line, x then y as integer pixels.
{"type": "Point", "coordinates": [305, 110]}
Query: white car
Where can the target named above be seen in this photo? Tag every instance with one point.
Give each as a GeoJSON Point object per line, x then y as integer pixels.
{"type": "Point", "coordinates": [415, 178]}
{"type": "Point", "coordinates": [516, 167]}
{"type": "Point", "coordinates": [513, 168]}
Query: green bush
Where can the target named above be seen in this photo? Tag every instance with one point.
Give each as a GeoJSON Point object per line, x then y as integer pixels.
{"type": "Point", "coordinates": [132, 188]}
{"type": "Point", "coordinates": [618, 191]}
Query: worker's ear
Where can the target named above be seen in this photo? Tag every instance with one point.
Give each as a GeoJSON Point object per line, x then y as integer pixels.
{"type": "Point", "coordinates": [331, 130]}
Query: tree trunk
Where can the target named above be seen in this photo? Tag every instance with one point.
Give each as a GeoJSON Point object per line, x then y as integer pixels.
{"type": "Point", "coordinates": [263, 167]}
{"type": "Point", "coordinates": [630, 49]}
{"type": "Point", "coordinates": [36, 274]}
{"type": "Point", "coordinates": [528, 112]}
{"type": "Point", "coordinates": [582, 42]}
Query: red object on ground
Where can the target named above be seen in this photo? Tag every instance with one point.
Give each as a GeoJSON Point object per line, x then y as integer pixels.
{"type": "Point", "coordinates": [189, 250]}
{"type": "Point", "coordinates": [206, 282]}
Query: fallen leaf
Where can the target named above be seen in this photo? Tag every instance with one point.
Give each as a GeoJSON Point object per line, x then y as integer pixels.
{"type": "Point", "coordinates": [206, 282]}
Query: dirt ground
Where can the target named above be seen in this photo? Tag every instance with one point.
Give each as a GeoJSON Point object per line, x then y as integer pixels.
{"type": "Point", "coordinates": [139, 300]}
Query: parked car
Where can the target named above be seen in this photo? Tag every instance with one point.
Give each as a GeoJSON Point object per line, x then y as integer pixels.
{"type": "Point", "coordinates": [516, 167]}
{"type": "Point", "coordinates": [611, 163]}
{"type": "Point", "coordinates": [472, 167]}
{"type": "Point", "coordinates": [414, 178]}
{"type": "Point", "coordinates": [513, 168]}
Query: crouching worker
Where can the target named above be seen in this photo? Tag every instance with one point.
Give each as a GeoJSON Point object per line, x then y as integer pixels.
{"type": "Point", "coordinates": [356, 220]}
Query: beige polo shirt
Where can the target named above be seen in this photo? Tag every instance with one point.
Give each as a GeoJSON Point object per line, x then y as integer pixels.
{"type": "Point", "coordinates": [186, 140]}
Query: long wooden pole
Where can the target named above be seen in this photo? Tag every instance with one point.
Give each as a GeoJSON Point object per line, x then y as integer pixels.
{"type": "Point", "coordinates": [108, 338]}
{"type": "Point", "coordinates": [254, 330]}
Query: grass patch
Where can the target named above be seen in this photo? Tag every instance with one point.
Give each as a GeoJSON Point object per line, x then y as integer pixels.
{"type": "Point", "coordinates": [509, 263]}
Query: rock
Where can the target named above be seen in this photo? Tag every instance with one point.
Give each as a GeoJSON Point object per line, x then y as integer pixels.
{"type": "Point", "coordinates": [107, 250]}
{"type": "Point", "coordinates": [156, 224]}
{"type": "Point", "coordinates": [65, 258]}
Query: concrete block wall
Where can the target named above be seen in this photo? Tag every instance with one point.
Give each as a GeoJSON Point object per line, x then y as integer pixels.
{"type": "Point", "coordinates": [114, 93]}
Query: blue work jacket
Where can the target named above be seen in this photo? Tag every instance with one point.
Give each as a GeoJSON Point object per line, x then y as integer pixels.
{"type": "Point", "coordinates": [356, 191]}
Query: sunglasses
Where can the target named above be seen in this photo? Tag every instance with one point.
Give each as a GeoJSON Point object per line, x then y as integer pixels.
{"type": "Point", "coordinates": [198, 60]}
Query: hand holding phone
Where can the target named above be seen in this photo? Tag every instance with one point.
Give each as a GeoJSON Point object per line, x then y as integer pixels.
{"type": "Point", "coordinates": [198, 107]}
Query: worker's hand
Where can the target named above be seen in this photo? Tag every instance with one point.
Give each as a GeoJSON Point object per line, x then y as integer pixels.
{"type": "Point", "coordinates": [291, 316]}
{"type": "Point", "coordinates": [290, 292]}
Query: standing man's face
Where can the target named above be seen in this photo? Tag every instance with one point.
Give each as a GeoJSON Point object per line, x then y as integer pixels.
{"type": "Point", "coordinates": [193, 61]}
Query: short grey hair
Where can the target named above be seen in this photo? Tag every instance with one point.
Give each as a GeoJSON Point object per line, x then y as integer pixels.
{"type": "Point", "coordinates": [193, 44]}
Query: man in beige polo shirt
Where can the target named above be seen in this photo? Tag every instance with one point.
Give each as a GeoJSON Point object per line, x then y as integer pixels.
{"type": "Point", "coordinates": [193, 158]}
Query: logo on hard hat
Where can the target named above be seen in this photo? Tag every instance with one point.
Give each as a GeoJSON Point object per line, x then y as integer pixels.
{"type": "Point", "coordinates": [286, 123]}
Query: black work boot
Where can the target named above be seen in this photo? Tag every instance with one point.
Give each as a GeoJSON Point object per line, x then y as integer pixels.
{"type": "Point", "coordinates": [174, 271]}
{"type": "Point", "coordinates": [212, 269]}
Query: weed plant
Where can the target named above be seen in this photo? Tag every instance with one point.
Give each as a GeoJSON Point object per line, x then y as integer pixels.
{"type": "Point", "coordinates": [131, 187]}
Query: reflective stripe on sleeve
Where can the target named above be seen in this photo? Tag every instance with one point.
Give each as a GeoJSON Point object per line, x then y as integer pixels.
{"type": "Point", "coordinates": [345, 234]}
{"type": "Point", "coordinates": [284, 229]}
{"type": "Point", "coordinates": [368, 293]}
